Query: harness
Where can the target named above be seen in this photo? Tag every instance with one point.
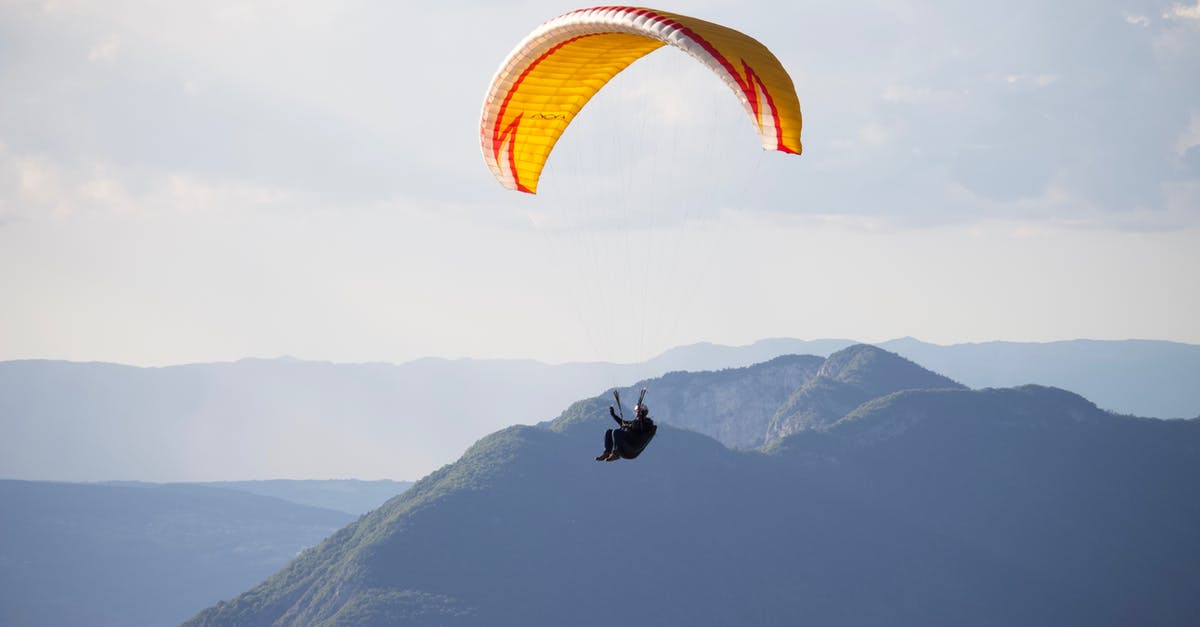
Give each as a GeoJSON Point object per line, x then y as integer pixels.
{"type": "Point", "coordinates": [642, 429]}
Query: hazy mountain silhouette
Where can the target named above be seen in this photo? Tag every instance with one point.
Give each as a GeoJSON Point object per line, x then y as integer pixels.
{"type": "Point", "coordinates": [1025, 506]}
{"type": "Point", "coordinates": [101, 555]}
{"type": "Point", "coordinates": [351, 496]}
{"type": "Point", "coordinates": [264, 418]}
{"type": "Point", "coordinates": [708, 356]}
{"type": "Point", "coordinates": [1142, 377]}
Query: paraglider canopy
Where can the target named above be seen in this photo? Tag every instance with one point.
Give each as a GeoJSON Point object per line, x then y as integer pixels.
{"type": "Point", "coordinates": [556, 69]}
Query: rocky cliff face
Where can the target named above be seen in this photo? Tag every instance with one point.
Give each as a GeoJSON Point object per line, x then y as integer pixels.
{"type": "Point", "coordinates": [847, 379]}
{"type": "Point", "coordinates": [733, 406]}
{"type": "Point", "coordinates": [745, 408]}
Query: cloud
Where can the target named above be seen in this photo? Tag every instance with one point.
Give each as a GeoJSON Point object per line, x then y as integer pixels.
{"type": "Point", "coordinates": [1190, 137]}
{"type": "Point", "coordinates": [873, 135]}
{"type": "Point", "coordinates": [29, 185]}
{"type": "Point", "coordinates": [104, 51]}
{"type": "Point", "coordinates": [924, 95]}
{"type": "Point", "coordinates": [1184, 12]}
{"type": "Point", "coordinates": [1037, 80]}
{"type": "Point", "coordinates": [43, 187]}
{"type": "Point", "coordinates": [325, 106]}
{"type": "Point", "coordinates": [163, 162]}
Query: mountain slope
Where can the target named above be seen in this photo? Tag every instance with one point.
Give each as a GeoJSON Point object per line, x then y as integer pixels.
{"type": "Point", "coordinates": [847, 379]}
{"type": "Point", "coordinates": [748, 407]}
{"type": "Point", "coordinates": [733, 406]}
{"type": "Point", "coordinates": [947, 507]}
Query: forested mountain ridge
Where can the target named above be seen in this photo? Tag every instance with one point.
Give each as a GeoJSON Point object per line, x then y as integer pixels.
{"type": "Point", "coordinates": [751, 406]}
{"type": "Point", "coordinates": [922, 507]}
{"type": "Point", "coordinates": [847, 379]}
{"type": "Point", "coordinates": [733, 406]}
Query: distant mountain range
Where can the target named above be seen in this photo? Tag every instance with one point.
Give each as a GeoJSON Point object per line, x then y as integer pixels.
{"type": "Point", "coordinates": [154, 554]}
{"type": "Point", "coordinates": [106, 555]}
{"type": "Point", "coordinates": [350, 496]}
{"type": "Point", "coordinates": [1138, 377]}
{"type": "Point", "coordinates": [927, 505]}
{"type": "Point", "coordinates": [289, 418]}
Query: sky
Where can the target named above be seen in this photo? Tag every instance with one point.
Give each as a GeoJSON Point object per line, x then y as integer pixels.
{"type": "Point", "coordinates": [206, 181]}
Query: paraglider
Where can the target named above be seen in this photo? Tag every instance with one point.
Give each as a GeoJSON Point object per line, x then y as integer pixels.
{"type": "Point", "coordinates": [631, 437]}
{"type": "Point", "coordinates": [556, 69]}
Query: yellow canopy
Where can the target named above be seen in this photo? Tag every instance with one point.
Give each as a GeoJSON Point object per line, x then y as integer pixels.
{"type": "Point", "coordinates": [554, 71]}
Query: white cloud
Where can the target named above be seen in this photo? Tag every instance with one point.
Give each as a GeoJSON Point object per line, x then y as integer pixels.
{"type": "Point", "coordinates": [53, 7]}
{"type": "Point", "coordinates": [1037, 80]}
{"type": "Point", "coordinates": [43, 186]}
{"type": "Point", "coordinates": [874, 134]}
{"type": "Point", "coordinates": [238, 14]}
{"type": "Point", "coordinates": [195, 126]}
{"type": "Point", "coordinates": [38, 185]}
{"type": "Point", "coordinates": [107, 191]}
{"type": "Point", "coordinates": [1183, 199]}
{"type": "Point", "coordinates": [1184, 12]}
{"type": "Point", "coordinates": [105, 51]}
{"type": "Point", "coordinates": [846, 223]}
{"type": "Point", "coordinates": [1190, 137]}
{"type": "Point", "coordinates": [910, 94]}
{"type": "Point", "coordinates": [905, 93]}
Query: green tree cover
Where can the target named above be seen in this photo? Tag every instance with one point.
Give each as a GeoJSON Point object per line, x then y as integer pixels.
{"type": "Point", "coordinates": [845, 380]}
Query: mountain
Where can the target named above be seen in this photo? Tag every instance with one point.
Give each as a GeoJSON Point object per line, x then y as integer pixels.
{"type": "Point", "coordinates": [847, 379]}
{"type": "Point", "coordinates": [1026, 506]}
{"type": "Point", "coordinates": [733, 406]}
{"type": "Point", "coordinates": [291, 418]}
{"type": "Point", "coordinates": [351, 496]}
{"type": "Point", "coordinates": [1142, 377]}
{"type": "Point", "coordinates": [708, 356]}
{"type": "Point", "coordinates": [262, 418]}
{"type": "Point", "coordinates": [105, 555]}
